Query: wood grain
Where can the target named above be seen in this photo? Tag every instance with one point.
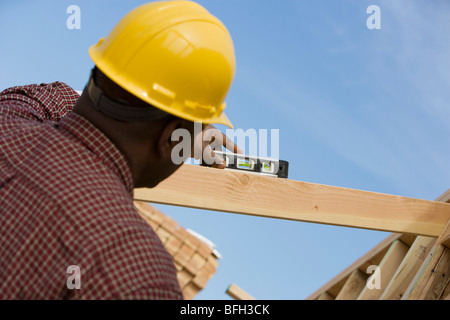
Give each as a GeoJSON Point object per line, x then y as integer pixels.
{"type": "Point", "coordinates": [408, 268]}
{"type": "Point", "coordinates": [254, 194]}
{"type": "Point", "coordinates": [432, 279]}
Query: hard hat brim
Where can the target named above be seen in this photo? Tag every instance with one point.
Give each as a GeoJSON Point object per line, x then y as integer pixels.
{"type": "Point", "coordinates": [224, 120]}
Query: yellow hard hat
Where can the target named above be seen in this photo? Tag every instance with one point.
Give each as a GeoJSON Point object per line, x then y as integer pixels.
{"type": "Point", "coordinates": [173, 55]}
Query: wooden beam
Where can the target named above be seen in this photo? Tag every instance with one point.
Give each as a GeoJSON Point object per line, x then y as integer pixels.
{"type": "Point", "coordinates": [388, 266]}
{"type": "Point", "coordinates": [445, 197]}
{"type": "Point", "coordinates": [444, 237]}
{"type": "Point", "coordinates": [373, 256]}
{"type": "Point", "coordinates": [237, 293]}
{"type": "Point", "coordinates": [325, 296]}
{"type": "Point", "coordinates": [408, 268]}
{"type": "Point", "coordinates": [432, 278]}
{"type": "Point", "coordinates": [253, 194]}
{"type": "Point", "coordinates": [353, 286]}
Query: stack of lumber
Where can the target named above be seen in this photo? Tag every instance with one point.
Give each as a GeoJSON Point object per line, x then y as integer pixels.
{"type": "Point", "coordinates": [195, 260]}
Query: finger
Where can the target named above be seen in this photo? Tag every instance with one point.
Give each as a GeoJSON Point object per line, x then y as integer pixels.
{"type": "Point", "coordinates": [214, 139]}
{"type": "Point", "coordinates": [212, 159]}
{"type": "Point", "coordinates": [230, 145]}
{"type": "Point", "coordinates": [219, 165]}
{"type": "Point", "coordinates": [213, 135]}
{"type": "Point", "coordinates": [218, 161]}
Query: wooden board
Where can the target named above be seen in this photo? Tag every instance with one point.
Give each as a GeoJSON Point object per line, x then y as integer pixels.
{"type": "Point", "coordinates": [402, 276]}
{"type": "Point", "coordinates": [353, 286]}
{"type": "Point", "coordinates": [445, 197]}
{"type": "Point", "coordinates": [254, 194]}
{"type": "Point", "coordinates": [237, 293]}
{"type": "Point", "coordinates": [432, 279]}
{"type": "Point", "coordinates": [373, 256]}
{"type": "Point", "coordinates": [444, 237]}
{"type": "Point", "coordinates": [325, 296]}
{"type": "Point", "coordinates": [408, 268]}
{"type": "Point", "coordinates": [388, 266]}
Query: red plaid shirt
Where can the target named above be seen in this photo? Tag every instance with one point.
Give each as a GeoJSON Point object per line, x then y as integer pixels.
{"type": "Point", "coordinates": [66, 200]}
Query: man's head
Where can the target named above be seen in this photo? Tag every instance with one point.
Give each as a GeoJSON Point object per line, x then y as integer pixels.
{"type": "Point", "coordinates": [147, 144]}
{"type": "Point", "coordinates": [165, 65]}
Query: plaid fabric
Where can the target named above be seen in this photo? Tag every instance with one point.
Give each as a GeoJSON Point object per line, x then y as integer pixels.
{"type": "Point", "coordinates": [66, 200]}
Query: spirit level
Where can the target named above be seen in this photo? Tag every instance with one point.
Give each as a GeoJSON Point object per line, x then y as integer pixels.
{"type": "Point", "coordinates": [264, 166]}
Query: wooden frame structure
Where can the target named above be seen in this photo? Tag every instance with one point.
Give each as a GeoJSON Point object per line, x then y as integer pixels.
{"type": "Point", "coordinates": [413, 268]}
{"type": "Point", "coordinates": [418, 225]}
{"type": "Point", "coordinates": [195, 260]}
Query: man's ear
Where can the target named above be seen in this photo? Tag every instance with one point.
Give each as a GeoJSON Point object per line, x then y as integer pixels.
{"type": "Point", "coordinates": [165, 143]}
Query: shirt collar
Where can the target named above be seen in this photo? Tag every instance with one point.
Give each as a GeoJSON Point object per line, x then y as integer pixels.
{"type": "Point", "coordinates": [100, 145]}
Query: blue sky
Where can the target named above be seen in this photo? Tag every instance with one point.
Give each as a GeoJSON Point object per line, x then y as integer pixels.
{"type": "Point", "coordinates": [357, 108]}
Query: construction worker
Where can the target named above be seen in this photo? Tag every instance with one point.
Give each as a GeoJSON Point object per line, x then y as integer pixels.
{"type": "Point", "coordinates": [68, 164]}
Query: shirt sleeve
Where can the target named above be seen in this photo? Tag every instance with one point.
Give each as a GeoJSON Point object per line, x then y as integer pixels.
{"type": "Point", "coordinates": [42, 102]}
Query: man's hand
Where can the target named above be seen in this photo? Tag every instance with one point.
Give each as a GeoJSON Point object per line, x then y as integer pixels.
{"type": "Point", "coordinates": [208, 140]}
